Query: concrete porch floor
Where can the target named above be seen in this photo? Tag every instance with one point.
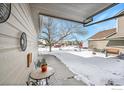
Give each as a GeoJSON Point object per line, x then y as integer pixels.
{"type": "Point", "coordinates": [62, 76]}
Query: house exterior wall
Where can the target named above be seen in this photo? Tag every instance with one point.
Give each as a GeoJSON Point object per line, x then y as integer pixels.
{"type": "Point", "coordinates": [120, 33]}
{"type": "Point", "coordinates": [98, 44]}
{"type": "Point", "coordinates": [121, 26]}
{"type": "Point", "coordinates": [90, 44]}
{"type": "Point", "coordinates": [116, 43]}
{"type": "Point", "coordinates": [13, 62]}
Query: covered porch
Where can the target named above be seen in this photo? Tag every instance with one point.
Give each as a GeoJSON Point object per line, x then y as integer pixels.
{"type": "Point", "coordinates": [15, 65]}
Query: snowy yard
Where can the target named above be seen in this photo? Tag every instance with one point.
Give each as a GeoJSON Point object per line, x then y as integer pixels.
{"type": "Point", "coordinates": [91, 69]}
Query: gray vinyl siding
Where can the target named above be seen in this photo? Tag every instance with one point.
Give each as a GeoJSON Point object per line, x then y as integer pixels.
{"type": "Point", "coordinates": [98, 44]}
{"type": "Point", "coordinates": [121, 26]}
{"type": "Point", "coordinates": [13, 61]}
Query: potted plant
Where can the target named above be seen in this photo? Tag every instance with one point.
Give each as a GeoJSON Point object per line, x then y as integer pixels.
{"type": "Point", "coordinates": [43, 65]}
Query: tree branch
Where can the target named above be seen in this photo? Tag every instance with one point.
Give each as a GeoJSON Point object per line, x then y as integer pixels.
{"type": "Point", "coordinates": [62, 38]}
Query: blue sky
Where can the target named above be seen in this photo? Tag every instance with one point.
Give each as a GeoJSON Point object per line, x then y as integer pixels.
{"type": "Point", "coordinates": [105, 25]}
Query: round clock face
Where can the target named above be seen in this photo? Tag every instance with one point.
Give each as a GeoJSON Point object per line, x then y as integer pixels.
{"type": "Point", "coordinates": [23, 41]}
{"type": "Point", "coordinates": [5, 10]}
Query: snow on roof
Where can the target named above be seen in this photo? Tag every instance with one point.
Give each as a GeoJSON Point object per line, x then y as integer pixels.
{"type": "Point", "coordinates": [103, 35]}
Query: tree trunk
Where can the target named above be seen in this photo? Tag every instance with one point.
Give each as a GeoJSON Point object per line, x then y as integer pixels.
{"type": "Point", "coordinates": [50, 48]}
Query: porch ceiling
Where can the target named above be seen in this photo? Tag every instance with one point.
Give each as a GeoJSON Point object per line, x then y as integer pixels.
{"type": "Point", "coordinates": [71, 11]}
{"type": "Point", "coordinates": [77, 12]}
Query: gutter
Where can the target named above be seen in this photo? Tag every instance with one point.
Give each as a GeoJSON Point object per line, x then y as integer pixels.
{"type": "Point", "coordinates": [105, 20]}
{"type": "Point", "coordinates": [91, 17]}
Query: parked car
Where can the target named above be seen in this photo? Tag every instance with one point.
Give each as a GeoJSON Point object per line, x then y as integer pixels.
{"type": "Point", "coordinates": [57, 46]}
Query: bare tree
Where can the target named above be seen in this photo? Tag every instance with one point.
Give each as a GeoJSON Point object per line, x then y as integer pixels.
{"type": "Point", "coordinates": [55, 30]}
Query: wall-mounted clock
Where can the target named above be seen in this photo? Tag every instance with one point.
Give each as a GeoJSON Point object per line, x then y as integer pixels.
{"type": "Point", "coordinates": [23, 41]}
{"type": "Point", "coordinates": [5, 10]}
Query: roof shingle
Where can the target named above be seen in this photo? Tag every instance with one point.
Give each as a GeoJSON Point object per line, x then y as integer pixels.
{"type": "Point", "coordinates": [103, 35]}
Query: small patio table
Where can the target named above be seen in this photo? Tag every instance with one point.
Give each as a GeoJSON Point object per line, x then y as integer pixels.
{"type": "Point", "coordinates": [38, 75]}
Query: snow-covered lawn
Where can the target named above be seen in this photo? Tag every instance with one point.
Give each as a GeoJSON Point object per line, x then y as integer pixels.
{"type": "Point", "coordinates": [92, 69]}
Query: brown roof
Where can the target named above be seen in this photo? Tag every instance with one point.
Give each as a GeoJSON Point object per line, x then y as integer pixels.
{"type": "Point", "coordinates": [103, 35]}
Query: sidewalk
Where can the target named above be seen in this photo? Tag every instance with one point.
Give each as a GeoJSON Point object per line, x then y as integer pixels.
{"type": "Point", "coordinates": [62, 76]}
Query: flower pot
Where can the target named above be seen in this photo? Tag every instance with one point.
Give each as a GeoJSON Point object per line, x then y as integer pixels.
{"type": "Point", "coordinates": [43, 68]}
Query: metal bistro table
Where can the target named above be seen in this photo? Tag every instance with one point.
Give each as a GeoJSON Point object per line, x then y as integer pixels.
{"type": "Point", "coordinates": [38, 75]}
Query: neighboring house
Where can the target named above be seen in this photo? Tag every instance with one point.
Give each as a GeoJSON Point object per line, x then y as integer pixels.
{"type": "Point", "coordinates": [112, 38]}
{"type": "Point", "coordinates": [117, 40]}
{"type": "Point", "coordinates": [99, 40]}
{"type": "Point", "coordinates": [41, 41]}
{"type": "Point", "coordinates": [69, 42]}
